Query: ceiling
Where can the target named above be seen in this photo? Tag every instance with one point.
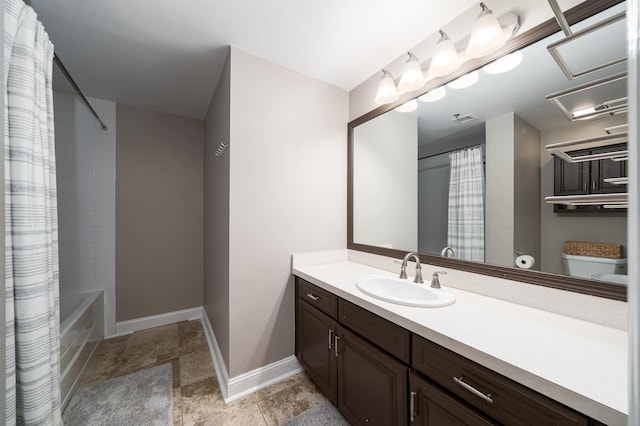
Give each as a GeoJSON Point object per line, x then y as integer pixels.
{"type": "Point", "coordinates": [167, 55]}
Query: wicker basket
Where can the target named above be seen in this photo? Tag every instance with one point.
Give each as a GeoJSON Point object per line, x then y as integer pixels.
{"type": "Point", "coordinates": [585, 248]}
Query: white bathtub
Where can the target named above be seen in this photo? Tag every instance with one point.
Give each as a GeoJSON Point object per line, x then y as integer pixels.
{"type": "Point", "coordinates": [81, 328]}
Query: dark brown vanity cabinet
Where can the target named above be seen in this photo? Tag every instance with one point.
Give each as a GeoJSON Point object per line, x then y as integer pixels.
{"type": "Point", "coordinates": [493, 395]}
{"type": "Point", "coordinates": [377, 372]}
{"type": "Point", "coordinates": [430, 406]}
{"type": "Point", "coordinates": [314, 340]}
{"type": "Point", "coordinates": [368, 385]}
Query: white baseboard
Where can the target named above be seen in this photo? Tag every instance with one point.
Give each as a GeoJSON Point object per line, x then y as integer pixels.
{"type": "Point", "coordinates": [244, 384]}
{"type": "Point", "coordinates": [130, 326]}
{"type": "Point", "coordinates": [216, 355]}
{"type": "Point", "coordinates": [262, 377]}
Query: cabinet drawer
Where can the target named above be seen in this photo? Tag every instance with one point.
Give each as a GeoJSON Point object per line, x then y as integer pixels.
{"type": "Point", "coordinates": [321, 299]}
{"type": "Point", "coordinates": [511, 403]}
{"type": "Point", "coordinates": [387, 335]}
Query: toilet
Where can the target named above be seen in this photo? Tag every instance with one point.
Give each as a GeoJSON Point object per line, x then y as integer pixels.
{"type": "Point", "coordinates": [587, 266]}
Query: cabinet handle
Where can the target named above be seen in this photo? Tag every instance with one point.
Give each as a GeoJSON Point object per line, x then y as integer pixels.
{"type": "Point", "coordinates": [487, 397]}
{"type": "Point", "coordinates": [585, 186]}
{"type": "Point", "coordinates": [312, 297]}
{"type": "Point", "coordinates": [336, 339]}
{"type": "Point", "coordinates": [412, 407]}
{"type": "Point", "coordinates": [330, 337]}
{"type": "Point", "coordinates": [593, 186]}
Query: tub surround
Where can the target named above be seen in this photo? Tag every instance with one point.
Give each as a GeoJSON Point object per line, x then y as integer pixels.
{"type": "Point", "coordinates": [80, 331]}
{"type": "Point", "coordinates": [575, 346]}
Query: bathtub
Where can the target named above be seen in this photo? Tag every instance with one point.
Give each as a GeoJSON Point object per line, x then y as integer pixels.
{"type": "Point", "coordinates": [81, 328]}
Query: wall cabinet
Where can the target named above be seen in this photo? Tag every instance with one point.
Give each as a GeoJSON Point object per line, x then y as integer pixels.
{"type": "Point", "coordinates": [588, 177]}
{"type": "Point", "coordinates": [378, 373]}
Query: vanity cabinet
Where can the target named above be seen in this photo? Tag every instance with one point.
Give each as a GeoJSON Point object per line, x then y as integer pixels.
{"type": "Point", "coordinates": [377, 372]}
{"type": "Point", "coordinates": [495, 396]}
{"type": "Point", "coordinates": [367, 384]}
{"type": "Point", "coordinates": [314, 342]}
{"type": "Point", "coordinates": [430, 406]}
{"type": "Point", "coordinates": [372, 386]}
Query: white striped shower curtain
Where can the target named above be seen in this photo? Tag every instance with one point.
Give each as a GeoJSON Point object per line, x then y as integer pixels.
{"type": "Point", "coordinates": [465, 233]}
{"type": "Point", "coordinates": [31, 223]}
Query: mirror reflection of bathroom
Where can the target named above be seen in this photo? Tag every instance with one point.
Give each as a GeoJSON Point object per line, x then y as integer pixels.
{"type": "Point", "coordinates": [489, 188]}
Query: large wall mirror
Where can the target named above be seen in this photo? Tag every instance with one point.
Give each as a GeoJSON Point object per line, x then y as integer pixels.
{"type": "Point", "coordinates": [405, 168]}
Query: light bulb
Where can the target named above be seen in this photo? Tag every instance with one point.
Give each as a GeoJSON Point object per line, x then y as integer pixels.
{"type": "Point", "coordinates": [412, 77]}
{"type": "Point", "coordinates": [387, 90]}
{"type": "Point", "coordinates": [487, 35]}
{"type": "Point", "coordinates": [445, 59]}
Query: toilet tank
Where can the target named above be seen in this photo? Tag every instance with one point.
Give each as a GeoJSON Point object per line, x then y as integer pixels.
{"type": "Point", "coordinates": [586, 266]}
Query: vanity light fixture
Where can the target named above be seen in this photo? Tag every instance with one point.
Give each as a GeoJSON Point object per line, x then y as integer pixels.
{"type": "Point", "coordinates": [465, 81]}
{"type": "Point", "coordinates": [504, 64]}
{"type": "Point", "coordinates": [445, 59]}
{"type": "Point", "coordinates": [408, 106]}
{"type": "Point", "coordinates": [434, 95]}
{"type": "Point", "coordinates": [387, 90]}
{"type": "Point", "coordinates": [412, 77]}
{"type": "Point", "coordinates": [487, 35]}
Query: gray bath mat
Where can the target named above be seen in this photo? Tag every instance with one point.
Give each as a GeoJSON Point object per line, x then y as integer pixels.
{"type": "Point", "coordinates": [320, 415]}
{"type": "Point", "coordinates": [142, 398]}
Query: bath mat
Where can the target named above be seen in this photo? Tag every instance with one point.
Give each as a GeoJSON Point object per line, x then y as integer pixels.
{"type": "Point", "coordinates": [320, 415]}
{"type": "Point", "coordinates": [142, 398]}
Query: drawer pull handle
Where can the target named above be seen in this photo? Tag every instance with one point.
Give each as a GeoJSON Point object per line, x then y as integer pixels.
{"type": "Point", "coordinates": [330, 337]}
{"type": "Point", "coordinates": [412, 407]}
{"type": "Point", "coordinates": [312, 297]}
{"type": "Point", "coordinates": [460, 381]}
{"type": "Point", "coordinates": [336, 339]}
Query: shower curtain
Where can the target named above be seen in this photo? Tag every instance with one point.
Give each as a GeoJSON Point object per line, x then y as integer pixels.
{"type": "Point", "coordinates": [465, 233]}
{"type": "Point", "coordinates": [31, 228]}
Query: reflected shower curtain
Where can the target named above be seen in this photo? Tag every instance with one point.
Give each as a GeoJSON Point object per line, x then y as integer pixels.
{"type": "Point", "coordinates": [466, 204]}
{"type": "Point", "coordinates": [31, 228]}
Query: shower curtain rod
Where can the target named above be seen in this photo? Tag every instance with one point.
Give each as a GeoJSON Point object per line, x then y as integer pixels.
{"type": "Point", "coordinates": [58, 62]}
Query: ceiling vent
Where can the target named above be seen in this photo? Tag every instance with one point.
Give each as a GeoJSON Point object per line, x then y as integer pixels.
{"type": "Point", "coordinates": [463, 118]}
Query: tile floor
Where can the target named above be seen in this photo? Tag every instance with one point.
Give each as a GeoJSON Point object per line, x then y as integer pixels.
{"type": "Point", "coordinates": [196, 395]}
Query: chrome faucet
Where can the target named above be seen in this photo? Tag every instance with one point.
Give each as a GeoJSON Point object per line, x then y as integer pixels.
{"type": "Point", "coordinates": [403, 269]}
{"type": "Point", "coordinates": [447, 252]}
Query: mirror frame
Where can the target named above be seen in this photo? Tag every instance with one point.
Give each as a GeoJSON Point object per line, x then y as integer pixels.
{"type": "Point", "coordinates": [546, 279]}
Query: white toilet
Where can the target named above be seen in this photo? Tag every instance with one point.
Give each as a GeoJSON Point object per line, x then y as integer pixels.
{"type": "Point", "coordinates": [586, 266]}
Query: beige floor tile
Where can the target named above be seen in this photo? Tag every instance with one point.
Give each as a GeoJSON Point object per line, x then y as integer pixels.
{"type": "Point", "coordinates": [241, 416]}
{"type": "Point", "coordinates": [195, 366]}
{"type": "Point", "coordinates": [287, 403]}
{"type": "Point", "coordinates": [200, 401]}
{"type": "Point", "coordinates": [192, 338]}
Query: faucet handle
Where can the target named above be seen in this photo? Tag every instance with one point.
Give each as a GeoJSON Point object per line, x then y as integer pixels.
{"type": "Point", "coordinates": [418, 279]}
{"type": "Point", "coordinates": [435, 280]}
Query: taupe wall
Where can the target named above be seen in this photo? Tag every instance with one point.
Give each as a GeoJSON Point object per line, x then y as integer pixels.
{"type": "Point", "coordinates": [159, 187]}
{"type": "Point", "coordinates": [216, 213]}
{"type": "Point", "coordinates": [288, 195]}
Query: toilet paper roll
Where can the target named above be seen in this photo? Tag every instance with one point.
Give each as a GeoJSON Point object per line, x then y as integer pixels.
{"type": "Point", "coordinates": [524, 261]}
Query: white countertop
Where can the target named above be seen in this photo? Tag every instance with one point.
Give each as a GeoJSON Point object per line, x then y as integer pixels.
{"type": "Point", "coordinates": [578, 363]}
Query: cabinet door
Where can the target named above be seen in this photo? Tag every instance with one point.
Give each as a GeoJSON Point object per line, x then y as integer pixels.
{"type": "Point", "coordinates": [372, 386]}
{"type": "Point", "coordinates": [430, 406]}
{"type": "Point", "coordinates": [570, 178]}
{"type": "Point", "coordinates": [603, 169]}
{"type": "Point", "coordinates": [314, 347]}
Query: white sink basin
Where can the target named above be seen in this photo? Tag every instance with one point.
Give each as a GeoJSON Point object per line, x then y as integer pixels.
{"type": "Point", "coordinates": [404, 291]}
